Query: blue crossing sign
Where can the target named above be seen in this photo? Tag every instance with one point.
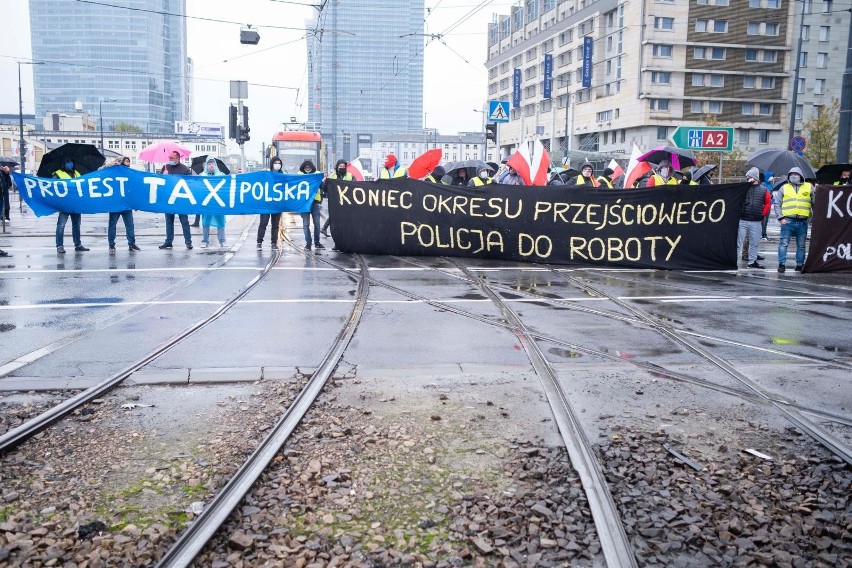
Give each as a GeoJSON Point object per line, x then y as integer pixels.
{"type": "Point", "coordinates": [498, 111]}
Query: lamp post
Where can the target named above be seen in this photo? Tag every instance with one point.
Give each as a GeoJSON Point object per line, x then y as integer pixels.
{"type": "Point", "coordinates": [484, 134]}
{"type": "Point", "coordinates": [23, 145]}
{"type": "Point", "coordinates": [101, 114]}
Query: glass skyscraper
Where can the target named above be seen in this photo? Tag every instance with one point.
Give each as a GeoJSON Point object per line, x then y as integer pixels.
{"type": "Point", "coordinates": [365, 72]}
{"type": "Point", "coordinates": [131, 59]}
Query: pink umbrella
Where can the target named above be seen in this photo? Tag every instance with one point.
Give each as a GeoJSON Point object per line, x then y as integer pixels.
{"type": "Point", "coordinates": [159, 153]}
{"type": "Point", "coordinates": [678, 157]}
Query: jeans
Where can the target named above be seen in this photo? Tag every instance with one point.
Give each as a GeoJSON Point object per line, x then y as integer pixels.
{"type": "Point", "coordinates": [793, 228]}
{"type": "Point", "coordinates": [752, 229]}
{"type": "Point", "coordinates": [261, 229]}
{"type": "Point", "coordinates": [306, 225]}
{"type": "Point", "coordinates": [764, 224]}
{"type": "Point", "coordinates": [75, 228]}
{"type": "Point", "coordinates": [170, 228]}
{"type": "Point", "coordinates": [127, 217]}
{"type": "Point", "coordinates": [205, 234]}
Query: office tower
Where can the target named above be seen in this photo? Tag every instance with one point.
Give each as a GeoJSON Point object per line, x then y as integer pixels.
{"type": "Point", "coordinates": [128, 59]}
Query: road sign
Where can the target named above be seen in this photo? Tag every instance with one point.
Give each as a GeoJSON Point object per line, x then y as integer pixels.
{"type": "Point", "coordinates": [498, 111]}
{"type": "Point", "coordinates": [704, 138]}
{"type": "Point", "coordinates": [798, 143]}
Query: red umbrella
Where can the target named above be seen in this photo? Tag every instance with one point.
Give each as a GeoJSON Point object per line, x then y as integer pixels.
{"type": "Point", "coordinates": [423, 165]}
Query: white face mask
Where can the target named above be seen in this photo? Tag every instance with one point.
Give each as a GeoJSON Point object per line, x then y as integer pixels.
{"type": "Point", "coordinates": [483, 175]}
{"type": "Point", "coordinates": [173, 162]}
{"type": "Point", "coordinates": [795, 179]}
{"type": "Point", "coordinates": [664, 172]}
{"type": "Point", "coordinates": [276, 166]}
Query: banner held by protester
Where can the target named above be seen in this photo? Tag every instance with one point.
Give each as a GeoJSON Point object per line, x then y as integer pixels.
{"type": "Point", "coordinates": [121, 188]}
{"type": "Point", "coordinates": [684, 228]}
{"type": "Point", "coordinates": [831, 230]}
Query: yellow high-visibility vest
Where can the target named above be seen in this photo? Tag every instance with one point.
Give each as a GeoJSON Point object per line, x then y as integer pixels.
{"type": "Point", "coordinates": [796, 203]}
{"type": "Point", "coordinates": [62, 174]}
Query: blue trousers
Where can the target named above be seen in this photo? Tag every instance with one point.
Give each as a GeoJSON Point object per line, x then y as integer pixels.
{"type": "Point", "coordinates": [793, 228]}
{"type": "Point", "coordinates": [306, 225]}
{"type": "Point", "coordinates": [170, 228]}
{"type": "Point", "coordinates": [75, 228]}
{"type": "Point", "coordinates": [127, 217]}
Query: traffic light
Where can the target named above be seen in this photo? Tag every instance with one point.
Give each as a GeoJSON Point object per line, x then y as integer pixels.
{"type": "Point", "coordinates": [245, 118]}
{"type": "Point", "coordinates": [232, 123]}
{"type": "Point", "coordinates": [491, 131]}
{"type": "Point", "coordinates": [244, 135]}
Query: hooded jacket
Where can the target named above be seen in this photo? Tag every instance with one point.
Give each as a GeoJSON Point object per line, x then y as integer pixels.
{"type": "Point", "coordinates": [272, 163]}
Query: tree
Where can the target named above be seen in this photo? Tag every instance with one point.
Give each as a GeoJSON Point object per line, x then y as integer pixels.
{"type": "Point", "coordinates": [126, 128]}
{"type": "Point", "coordinates": [822, 129]}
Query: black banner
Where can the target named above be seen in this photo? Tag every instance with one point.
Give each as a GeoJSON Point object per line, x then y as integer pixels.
{"type": "Point", "coordinates": [673, 227]}
{"type": "Point", "coordinates": [831, 232]}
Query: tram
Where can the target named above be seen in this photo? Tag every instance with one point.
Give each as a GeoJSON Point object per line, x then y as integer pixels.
{"type": "Point", "coordinates": [296, 146]}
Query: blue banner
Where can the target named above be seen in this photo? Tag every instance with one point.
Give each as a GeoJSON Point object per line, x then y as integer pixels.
{"type": "Point", "coordinates": [588, 44]}
{"type": "Point", "coordinates": [516, 89]}
{"type": "Point", "coordinates": [120, 188]}
{"type": "Point", "coordinates": [548, 75]}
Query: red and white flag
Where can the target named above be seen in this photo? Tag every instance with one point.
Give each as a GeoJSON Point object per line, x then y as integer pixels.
{"type": "Point", "coordinates": [618, 170]}
{"type": "Point", "coordinates": [635, 168]}
{"type": "Point", "coordinates": [354, 168]}
{"type": "Point", "coordinates": [532, 169]}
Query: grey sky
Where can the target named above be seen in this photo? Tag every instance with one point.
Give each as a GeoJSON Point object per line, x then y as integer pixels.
{"type": "Point", "coordinates": [453, 88]}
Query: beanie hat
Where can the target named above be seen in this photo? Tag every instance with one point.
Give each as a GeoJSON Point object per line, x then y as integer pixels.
{"type": "Point", "coordinates": [608, 171]}
{"type": "Point", "coordinates": [753, 173]}
{"type": "Point", "coordinates": [390, 161]}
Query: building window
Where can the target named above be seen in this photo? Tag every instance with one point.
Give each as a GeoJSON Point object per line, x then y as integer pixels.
{"type": "Point", "coordinates": [774, 4]}
{"type": "Point", "coordinates": [663, 50]}
{"type": "Point", "coordinates": [803, 59]}
{"type": "Point", "coordinates": [662, 133]}
{"type": "Point", "coordinates": [696, 107]}
{"type": "Point", "coordinates": [661, 77]}
{"type": "Point", "coordinates": [748, 109]}
{"type": "Point", "coordinates": [819, 87]}
{"type": "Point", "coordinates": [749, 82]}
{"type": "Point", "coordinates": [751, 55]}
{"type": "Point", "coordinates": [801, 88]}
{"type": "Point", "coordinates": [720, 26]}
{"type": "Point", "coordinates": [770, 56]}
{"type": "Point", "coordinates": [822, 60]}
{"type": "Point", "coordinates": [763, 136]}
{"type": "Point", "coordinates": [714, 107]}
{"type": "Point", "coordinates": [660, 105]}
{"type": "Point", "coordinates": [772, 29]}
{"type": "Point", "coordinates": [806, 32]}
{"type": "Point", "coordinates": [824, 33]}
{"type": "Point", "coordinates": [826, 6]}
{"type": "Point", "coordinates": [800, 110]}
{"type": "Point", "coordinates": [753, 28]}
{"type": "Point", "coordinates": [765, 109]}
{"type": "Point", "coordinates": [604, 116]}
{"type": "Point", "coordinates": [744, 136]}
{"type": "Point", "coordinates": [767, 82]}
{"type": "Point", "coordinates": [666, 24]}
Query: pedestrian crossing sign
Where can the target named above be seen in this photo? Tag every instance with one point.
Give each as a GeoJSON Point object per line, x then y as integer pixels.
{"type": "Point", "coordinates": [498, 111]}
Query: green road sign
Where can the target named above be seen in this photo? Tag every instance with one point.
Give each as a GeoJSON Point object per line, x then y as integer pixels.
{"type": "Point", "coordinates": [704, 138]}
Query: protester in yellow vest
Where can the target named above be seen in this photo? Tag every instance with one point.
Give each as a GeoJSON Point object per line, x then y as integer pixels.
{"type": "Point", "coordinates": [342, 174]}
{"type": "Point", "coordinates": [481, 177]}
{"type": "Point", "coordinates": [662, 176]}
{"type": "Point", "coordinates": [437, 175]}
{"type": "Point", "coordinates": [392, 169]}
{"type": "Point", "coordinates": [308, 167]}
{"type": "Point", "coordinates": [586, 177]}
{"type": "Point", "coordinates": [793, 204]}
{"type": "Point", "coordinates": [845, 178]}
{"type": "Point", "coordinates": [67, 172]}
{"type": "Point", "coordinates": [605, 180]}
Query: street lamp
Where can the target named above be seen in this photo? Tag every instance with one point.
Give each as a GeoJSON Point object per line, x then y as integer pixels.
{"type": "Point", "coordinates": [23, 146]}
{"type": "Point", "coordinates": [101, 113]}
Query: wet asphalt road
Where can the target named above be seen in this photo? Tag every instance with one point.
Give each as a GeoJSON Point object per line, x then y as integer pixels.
{"type": "Point", "coordinates": [69, 321]}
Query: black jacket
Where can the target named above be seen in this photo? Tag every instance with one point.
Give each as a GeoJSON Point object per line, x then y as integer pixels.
{"type": "Point", "coordinates": [754, 203]}
{"type": "Point", "coordinates": [180, 169]}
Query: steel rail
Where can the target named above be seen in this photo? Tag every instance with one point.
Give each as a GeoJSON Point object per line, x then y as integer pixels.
{"type": "Point", "coordinates": [820, 434]}
{"type": "Point", "coordinates": [13, 438]}
{"type": "Point", "coordinates": [195, 537]}
{"type": "Point", "coordinates": [615, 546]}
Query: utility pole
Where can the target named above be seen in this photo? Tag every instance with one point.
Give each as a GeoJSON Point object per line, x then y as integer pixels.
{"type": "Point", "coordinates": [334, 100]}
{"type": "Point", "coordinates": [845, 131]}
{"type": "Point", "coordinates": [795, 102]}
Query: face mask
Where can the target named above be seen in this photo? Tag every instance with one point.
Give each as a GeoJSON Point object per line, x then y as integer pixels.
{"type": "Point", "coordinates": [69, 165]}
{"type": "Point", "coordinates": [276, 166]}
{"type": "Point", "coordinates": [483, 175]}
{"type": "Point", "coordinates": [795, 179]}
{"type": "Point", "coordinates": [664, 172]}
{"type": "Point", "coordinates": [172, 162]}
{"type": "Point", "coordinates": [341, 172]}
{"type": "Point", "coordinates": [210, 170]}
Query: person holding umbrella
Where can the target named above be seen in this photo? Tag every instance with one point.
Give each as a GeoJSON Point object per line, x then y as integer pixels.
{"type": "Point", "coordinates": [845, 179]}
{"type": "Point", "coordinates": [126, 216]}
{"type": "Point", "coordinates": [67, 172]}
{"type": "Point", "coordinates": [793, 205]}
{"type": "Point", "coordinates": [662, 176]}
{"type": "Point", "coordinates": [175, 167]}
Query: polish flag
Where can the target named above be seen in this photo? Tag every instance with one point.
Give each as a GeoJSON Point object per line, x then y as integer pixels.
{"type": "Point", "coordinates": [635, 168]}
{"type": "Point", "coordinates": [532, 169]}
{"type": "Point", "coordinates": [354, 167]}
{"type": "Point", "coordinates": [613, 165]}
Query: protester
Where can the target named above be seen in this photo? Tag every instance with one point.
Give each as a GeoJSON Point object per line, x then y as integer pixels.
{"type": "Point", "coordinates": [126, 216]}
{"type": "Point", "coordinates": [845, 179]}
{"type": "Point", "coordinates": [511, 177]}
{"type": "Point", "coordinates": [437, 175]}
{"type": "Point", "coordinates": [663, 175]}
{"type": "Point", "coordinates": [340, 173]}
{"type": "Point", "coordinates": [275, 165]}
{"type": "Point", "coordinates": [793, 205]}
{"type": "Point", "coordinates": [461, 178]}
{"type": "Point", "coordinates": [686, 179]}
{"type": "Point", "coordinates": [586, 177]}
{"type": "Point", "coordinates": [308, 167]}
{"type": "Point", "coordinates": [392, 169]}
{"type": "Point", "coordinates": [756, 205]}
{"type": "Point", "coordinates": [175, 167]}
{"type": "Point", "coordinates": [5, 191]}
{"type": "Point", "coordinates": [605, 180]}
{"type": "Point", "coordinates": [482, 177]}
{"type": "Point", "coordinates": [67, 172]}
{"type": "Point", "coordinates": [207, 221]}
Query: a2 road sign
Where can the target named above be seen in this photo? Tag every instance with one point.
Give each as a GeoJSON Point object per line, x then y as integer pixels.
{"type": "Point", "coordinates": [704, 138]}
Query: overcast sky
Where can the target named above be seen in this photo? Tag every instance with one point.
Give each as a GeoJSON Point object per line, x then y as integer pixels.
{"type": "Point", "coordinates": [453, 88]}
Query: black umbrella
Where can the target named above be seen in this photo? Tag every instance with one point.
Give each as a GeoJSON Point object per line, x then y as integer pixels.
{"type": "Point", "coordinates": [4, 161]}
{"type": "Point", "coordinates": [830, 173]}
{"type": "Point", "coordinates": [199, 161]}
{"type": "Point", "coordinates": [701, 172]}
{"type": "Point", "coordinates": [86, 159]}
{"type": "Point", "coordinates": [472, 167]}
{"type": "Point", "coordinates": [562, 176]}
{"type": "Point", "coordinates": [677, 157]}
{"type": "Point", "coordinates": [781, 161]}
